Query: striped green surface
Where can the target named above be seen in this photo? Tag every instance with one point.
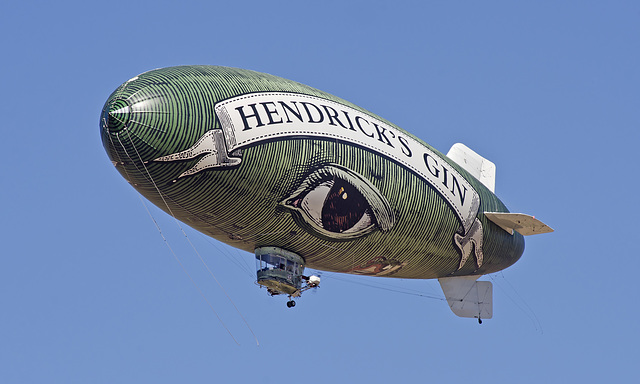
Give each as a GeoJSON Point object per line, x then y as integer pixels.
{"type": "Point", "coordinates": [166, 111]}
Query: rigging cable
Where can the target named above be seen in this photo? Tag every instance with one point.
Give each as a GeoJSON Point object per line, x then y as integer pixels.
{"type": "Point", "coordinates": [527, 311]}
{"type": "Point", "coordinates": [166, 241]}
{"type": "Point", "coordinates": [187, 237]}
{"type": "Point", "coordinates": [175, 256]}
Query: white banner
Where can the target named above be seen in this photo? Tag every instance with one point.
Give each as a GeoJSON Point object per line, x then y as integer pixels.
{"type": "Point", "coordinates": [249, 119]}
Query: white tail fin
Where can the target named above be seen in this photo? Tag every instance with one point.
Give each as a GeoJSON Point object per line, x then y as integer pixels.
{"type": "Point", "coordinates": [468, 297]}
{"type": "Point", "coordinates": [481, 168]}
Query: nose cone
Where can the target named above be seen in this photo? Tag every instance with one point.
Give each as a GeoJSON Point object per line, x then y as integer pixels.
{"type": "Point", "coordinates": [155, 114]}
{"type": "Point", "coordinates": [115, 115]}
{"type": "Point", "coordinates": [134, 118]}
{"type": "Point", "coordinates": [126, 126]}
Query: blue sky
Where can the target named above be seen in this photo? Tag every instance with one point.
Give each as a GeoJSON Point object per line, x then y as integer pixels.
{"type": "Point", "coordinates": [549, 91]}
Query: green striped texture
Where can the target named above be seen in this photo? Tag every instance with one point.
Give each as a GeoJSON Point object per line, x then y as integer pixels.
{"type": "Point", "coordinates": [171, 108]}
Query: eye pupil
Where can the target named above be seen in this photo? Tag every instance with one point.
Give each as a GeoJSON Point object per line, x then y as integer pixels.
{"type": "Point", "coordinates": [340, 214]}
{"type": "Point", "coordinates": [334, 202]}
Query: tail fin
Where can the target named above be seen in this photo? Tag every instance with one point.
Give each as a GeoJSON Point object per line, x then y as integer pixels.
{"type": "Point", "coordinates": [524, 224]}
{"type": "Point", "coordinates": [479, 167]}
{"type": "Point", "coordinates": [468, 297]}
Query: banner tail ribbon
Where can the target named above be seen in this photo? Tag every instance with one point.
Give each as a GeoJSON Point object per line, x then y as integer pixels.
{"type": "Point", "coordinates": [470, 242]}
{"type": "Point", "coordinates": [212, 145]}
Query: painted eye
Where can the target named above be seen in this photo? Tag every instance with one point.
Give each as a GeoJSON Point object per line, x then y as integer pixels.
{"type": "Point", "coordinates": [338, 203]}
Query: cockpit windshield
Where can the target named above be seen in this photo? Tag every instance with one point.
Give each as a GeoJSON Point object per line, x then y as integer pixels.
{"type": "Point", "coordinates": [265, 262]}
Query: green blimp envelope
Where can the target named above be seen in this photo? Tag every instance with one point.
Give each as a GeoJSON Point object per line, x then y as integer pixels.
{"type": "Point", "coordinates": [302, 178]}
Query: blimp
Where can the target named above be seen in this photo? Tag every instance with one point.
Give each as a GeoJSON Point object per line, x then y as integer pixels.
{"type": "Point", "coordinates": [304, 179]}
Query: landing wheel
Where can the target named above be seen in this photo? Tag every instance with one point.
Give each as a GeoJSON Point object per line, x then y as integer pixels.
{"type": "Point", "coordinates": [479, 320]}
{"type": "Point", "coordinates": [291, 304]}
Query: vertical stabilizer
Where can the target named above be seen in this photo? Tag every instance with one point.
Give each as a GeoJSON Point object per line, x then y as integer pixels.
{"type": "Point", "coordinates": [481, 168]}
{"type": "Point", "coordinates": [468, 297]}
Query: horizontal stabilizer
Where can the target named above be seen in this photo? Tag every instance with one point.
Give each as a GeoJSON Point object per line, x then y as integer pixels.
{"type": "Point", "coordinates": [479, 167]}
{"type": "Point", "coordinates": [524, 224]}
{"type": "Point", "coordinates": [468, 297]}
